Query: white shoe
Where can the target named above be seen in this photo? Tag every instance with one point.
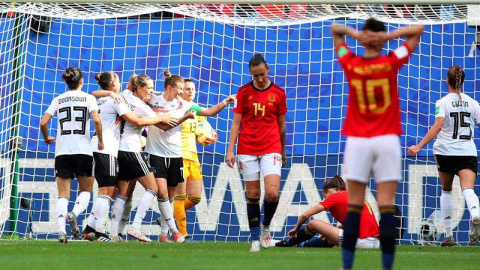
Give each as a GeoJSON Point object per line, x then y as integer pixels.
{"type": "Point", "coordinates": [138, 234]}
{"type": "Point", "coordinates": [117, 238]}
{"type": "Point", "coordinates": [255, 246]}
{"type": "Point", "coordinates": [273, 242]}
{"type": "Point", "coordinates": [265, 238]}
{"type": "Point", "coordinates": [475, 231]}
{"type": "Point", "coordinates": [74, 230]}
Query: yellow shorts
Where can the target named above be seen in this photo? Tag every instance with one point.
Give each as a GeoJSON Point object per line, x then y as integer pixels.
{"type": "Point", "coordinates": [192, 170]}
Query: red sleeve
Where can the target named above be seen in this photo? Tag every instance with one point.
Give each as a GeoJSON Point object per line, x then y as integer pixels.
{"type": "Point", "coordinates": [400, 55]}
{"type": "Point", "coordinates": [240, 101]}
{"type": "Point", "coordinates": [282, 107]}
{"type": "Point", "coordinates": [344, 53]}
{"type": "Point", "coordinates": [330, 201]}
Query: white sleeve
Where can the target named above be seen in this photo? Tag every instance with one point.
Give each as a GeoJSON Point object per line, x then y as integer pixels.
{"type": "Point", "coordinates": [52, 109]}
{"type": "Point", "coordinates": [121, 108]}
{"type": "Point", "coordinates": [477, 112]}
{"type": "Point", "coordinates": [92, 103]}
{"type": "Point", "coordinates": [439, 109]}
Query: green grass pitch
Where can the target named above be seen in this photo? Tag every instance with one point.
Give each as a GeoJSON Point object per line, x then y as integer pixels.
{"type": "Point", "coordinates": [42, 254]}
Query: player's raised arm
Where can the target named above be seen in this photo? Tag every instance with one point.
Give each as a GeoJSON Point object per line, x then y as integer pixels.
{"type": "Point", "coordinates": [412, 33]}
{"type": "Point", "coordinates": [339, 31]}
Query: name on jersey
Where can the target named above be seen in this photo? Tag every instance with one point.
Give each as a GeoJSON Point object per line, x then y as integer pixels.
{"type": "Point", "coordinates": [130, 105]}
{"type": "Point", "coordinates": [372, 68]}
{"type": "Point", "coordinates": [459, 103]}
{"type": "Point", "coordinates": [67, 99]}
{"type": "Point", "coordinates": [101, 102]}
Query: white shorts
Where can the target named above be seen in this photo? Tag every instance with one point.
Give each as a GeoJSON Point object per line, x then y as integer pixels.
{"type": "Point", "coordinates": [250, 166]}
{"type": "Point", "coordinates": [369, 242]}
{"type": "Point", "coordinates": [380, 156]}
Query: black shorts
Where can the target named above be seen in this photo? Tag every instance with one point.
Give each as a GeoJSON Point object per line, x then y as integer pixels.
{"type": "Point", "coordinates": [70, 166]}
{"type": "Point", "coordinates": [168, 168]}
{"type": "Point", "coordinates": [132, 165]}
{"type": "Point", "coordinates": [106, 169]}
{"type": "Point", "coordinates": [454, 164]}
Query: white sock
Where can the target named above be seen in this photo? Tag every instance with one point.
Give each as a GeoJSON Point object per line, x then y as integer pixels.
{"type": "Point", "coordinates": [446, 206]}
{"type": "Point", "coordinates": [100, 209]}
{"type": "Point", "coordinates": [117, 211]}
{"type": "Point", "coordinates": [91, 219]}
{"type": "Point", "coordinates": [61, 211]}
{"type": "Point", "coordinates": [125, 215]}
{"type": "Point", "coordinates": [168, 222]}
{"type": "Point", "coordinates": [143, 207]}
{"type": "Point", "coordinates": [472, 202]}
{"type": "Point", "coordinates": [81, 203]}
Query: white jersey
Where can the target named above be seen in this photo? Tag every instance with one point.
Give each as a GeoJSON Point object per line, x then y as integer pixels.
{"type": "Point", "coordinates": [166, 143]}
{"type": "Point", "coordinates": [456, 136]}
{"type": "Point", "coordinates": [130, 138]}
{"type": "Point", "coordinates": [110, 114]}
{"type": "Point", "coordinates": [73, 122]}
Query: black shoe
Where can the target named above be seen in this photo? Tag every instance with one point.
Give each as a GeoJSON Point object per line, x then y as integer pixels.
{"type": "Point", "coordinates": [88, 233]}
{"type": "Point", "coordinates": [282, 243]}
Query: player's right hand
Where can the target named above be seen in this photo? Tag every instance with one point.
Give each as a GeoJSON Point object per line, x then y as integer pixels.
{"type": "Point", "coordinates": [191, 114]}
{"type": "Point", "coordinates": [230, 159]}
{"type": "Point", "coordinates": [49, 140]}
{"type": "Point", "coordinates": [116, 97]}
{"type": "Point", "coordinates": [100, 145]}
{"type": "Point", "coordinates": [169, 120]}
{"type": "Point", "coordinates": [292, 232]}
{"type": "Point", "coordinates": [413, 150]}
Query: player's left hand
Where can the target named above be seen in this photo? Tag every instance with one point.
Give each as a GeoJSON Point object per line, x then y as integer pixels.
{"type": "Point", "coordinates": [191, 114]}
{"type": "Point", "coordinates": [413, 150]}
{"type": "Point", "coordinates": [292, 232]}
{"type": "Point", "coordinates": [100, 145]}
{"type": "Point", "coordinates": [231, 99]}
{"type": "Point", "coordinates": [49, 140]}
{"type": "Point", "coordinates": [284, 160]}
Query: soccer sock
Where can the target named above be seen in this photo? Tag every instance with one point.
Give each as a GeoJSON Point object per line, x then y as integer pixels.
{"type": "Point", "coordinates": [301, 236]}
{"type": "Point", "coordinates": [91, 219]}
{"type": "Point", "coordinates": [387, 235]}
{"type": "Point", "coordinates": [100, 209]}
{"type": "Point", "coordinates": [143, 207]}
{"type": "Point", "coordinates": [179, 212]}
{"type": "Point", "coordinates": [81, 203]}
{"type": "Point", "coordinates": [191, 201]}
{"type": "Point", "coordinates": [61, 211]}
{"type": "Point", "coordinates": [125, 215]}
{"type": "Point", "coordinates": [350, 234]}
{"type": "Point", "coordinates": [268, 211]}
{"type": "Point", "coordinates": [253, 213]}
{"type": "Point", "coordinates": [168, 222]}
{"type": "Point", "coordinates": [117, 211]}
{"type": "Point", "coordinates": [472, 202]}
{"type": "Point", "coordinates": [446, 207]}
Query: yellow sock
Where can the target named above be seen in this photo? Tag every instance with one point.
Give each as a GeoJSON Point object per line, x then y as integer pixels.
{"type": "Point", "coordinates": [179, 212]}
{"type": "Point", "coordinates": [191, 201]}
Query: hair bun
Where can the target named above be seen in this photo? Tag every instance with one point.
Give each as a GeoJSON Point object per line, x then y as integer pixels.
{"type": "Point", "coordinates": [167, 74]}
{"type": "Point", "coordinates": [97, 77]}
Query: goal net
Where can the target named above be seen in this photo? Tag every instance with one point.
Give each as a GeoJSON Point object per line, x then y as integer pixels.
{"type": "Point", "coordinates": [211, 44]}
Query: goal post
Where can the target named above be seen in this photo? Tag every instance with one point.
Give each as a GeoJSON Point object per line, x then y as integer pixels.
{"type": "Point", "coordinates": [211, 44]}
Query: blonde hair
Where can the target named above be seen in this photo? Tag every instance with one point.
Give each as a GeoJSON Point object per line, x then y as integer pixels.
{"type": "Point", "coordinates": [138, 80]}
{"type": "Point", "coordinates": [455, 79]}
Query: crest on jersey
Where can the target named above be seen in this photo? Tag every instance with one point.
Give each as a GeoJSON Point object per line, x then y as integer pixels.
{"type": "Point", "coordinates": [271, 97]}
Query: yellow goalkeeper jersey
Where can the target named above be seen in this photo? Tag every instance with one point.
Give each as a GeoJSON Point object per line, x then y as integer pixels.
{"type": "Point", "coordinates": [189, 143]}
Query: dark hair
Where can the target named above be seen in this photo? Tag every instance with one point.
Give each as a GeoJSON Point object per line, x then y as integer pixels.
{"type": "Point", "coordinates": [455, 78]}
{"type": "Point", "coordinates": [374, 25]}
{"type": "Point", "coordinates": [257, 60]}
{"type": "Point", "coordinates": [72, 77]}
{"type": "Point", "coordinates": [172, 80]}
{"type": "Point", "coordinates": [105, 79]}
{"type": "Point", "coordinates": [139, 80]}
{"type": "Point", "coordinates": [335, 182]}
{"type": "Point", "coordinates": [188, 80]}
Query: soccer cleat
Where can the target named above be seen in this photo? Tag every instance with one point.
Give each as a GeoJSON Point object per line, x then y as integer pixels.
{"type": "Point", "coordinates": [164, 239]}
{"type": "Point", "coordinates": [282, 243]}
{"type": "Point", "coordinates": [138, 234]}
{"type": "Point", "coordinates": [178, 237]}
{"type": "Point", "coordinates": [475, 231]}
{"type": "Point", "coordinates": [62, 237]}
{"type": "Point", "coordinates": [265, 238]}
{"type": "Point", "coordinates": [448, 242]}
{"type": "Point", "coordinates": [189, 239]}
{"type": "Point", "coordinates": [255, 246]}
{"type": "Point", "coordinates": [101, 237]}
{"type": "Point", "coordinates": [88, 233]}
{"type": "Point", "coordinates": [117, 238]}
{"type": "Point", "coordinates": [72, 219]}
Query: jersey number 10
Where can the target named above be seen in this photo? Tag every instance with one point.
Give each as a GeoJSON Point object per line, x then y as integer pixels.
{"type": "Point", "coordinates": [371, 102]}
{"type": "Point", "coordinates": [82, 118]}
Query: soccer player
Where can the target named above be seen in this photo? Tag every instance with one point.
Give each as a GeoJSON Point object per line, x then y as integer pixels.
{"type": "Point", "coordinates": [372, 127]}
{"type": "Point", "coordinates": [455, 152]}
{"type": "Point", "coordinates": [336, 200]}
{"type": "Point", "coordinates": [191, 166]}
{"type": "Point", "coordinates": [73, 154]}
{"type": "Point", "coordinates": [111, 114]}
{"type": "Point", "coordinates": [165, 152]}
{"type": "Point", "coordinates": [260, 111]}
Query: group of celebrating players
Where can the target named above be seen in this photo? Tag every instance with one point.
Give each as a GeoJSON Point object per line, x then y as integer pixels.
{"type": "Point", "coordinates": [372, 127]}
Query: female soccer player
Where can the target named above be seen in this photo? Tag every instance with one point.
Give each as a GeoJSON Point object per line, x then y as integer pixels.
{"type": "Point", "coordinates": [73, 153]}
{"type": "Point", "coordinates": [455, 152]}
{"type": "Point", "coordinates": [372, 127]}
{"type": "Point", "coordinates": [191, 166]}
{"type": "Point", "coordinates": [165, 149]}
{"type": "Point", "coordinates": [106, 160]}
{"type": "Point", "coordinates": [261, 109]}
{"type": "Point", "coordinates": [336, 200]}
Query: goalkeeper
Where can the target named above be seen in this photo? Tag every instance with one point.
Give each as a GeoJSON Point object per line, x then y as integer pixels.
{"type": "Point", "coordinates": [336, 200]}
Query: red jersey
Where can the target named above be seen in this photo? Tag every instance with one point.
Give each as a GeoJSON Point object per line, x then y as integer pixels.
{"type": "Point", "coordinates": [338, 205]}
{"type": "Point", "coordinates": [259, 132]}
{"type": "Point", "coordinates": [373, 104]}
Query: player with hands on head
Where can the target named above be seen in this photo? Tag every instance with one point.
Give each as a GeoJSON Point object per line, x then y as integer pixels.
{"type": "Point", "coordinates": [455, 152]}
{"type": "Point", "coordinates": [260, 112]}
{"type": "Point", "coordinates": [73, 153]}
{"type": "Point", "coordinates": [372, 127]}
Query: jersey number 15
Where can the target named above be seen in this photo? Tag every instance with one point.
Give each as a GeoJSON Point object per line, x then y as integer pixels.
{"type": "Point", "coordinates": [459, 120]}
